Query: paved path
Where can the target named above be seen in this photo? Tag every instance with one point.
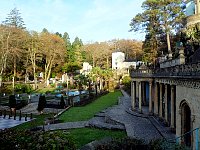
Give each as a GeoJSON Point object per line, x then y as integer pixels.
{"type": "Point", "coordinates": [136, 125]}
{"type": "Point", "coordinates": [68, 125]}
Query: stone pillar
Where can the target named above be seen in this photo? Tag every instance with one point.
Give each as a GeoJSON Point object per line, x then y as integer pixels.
{"type": "Point", "coordinates": [172, 107]}
{"type": "Point", "coordinates": [150, 97]}
{"type": "Point", "coordinates": [131, 91]}
{"type": "Point", "coordinates": [143, 84]}
{"type": "Point", "coordinates": [160, 112]}
{"type": "Point", "coordinates": [133, 95]}
{"type": "Point", "coordinates": [140, 97]}
{"type": "Point", "coordinates": [197, 7]}
{"type": "Point", "coordinates": [156, 99]}
{"type": "Point", "coordinates": [137, 88]}
{"type": "Point", "coordinates": [166, 106]}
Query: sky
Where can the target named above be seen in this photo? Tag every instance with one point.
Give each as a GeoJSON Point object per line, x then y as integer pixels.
{"type": "Point", "coordinates": [90, 20]}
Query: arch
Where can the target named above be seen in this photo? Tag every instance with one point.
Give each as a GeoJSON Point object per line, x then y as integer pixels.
{"type": "Point", "coordinates": [186, 122]}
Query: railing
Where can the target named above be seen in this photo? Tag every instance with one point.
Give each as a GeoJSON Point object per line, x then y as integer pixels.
{"type": "Point", "coordinates": [189, 70]}
{"type": "Point", "coordinates": [180, 139]}
{"type": "Point", "coordinates": [171, 63]}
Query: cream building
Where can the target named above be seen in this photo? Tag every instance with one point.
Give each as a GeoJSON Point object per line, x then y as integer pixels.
{"type": "Point", "coordinates": [173, 92]}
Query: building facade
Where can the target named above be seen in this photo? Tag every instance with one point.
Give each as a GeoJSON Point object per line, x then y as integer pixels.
{"type": "Point", "coordinates": [172, 91]}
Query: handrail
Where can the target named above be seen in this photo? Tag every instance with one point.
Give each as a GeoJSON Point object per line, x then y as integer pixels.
{"type": "Point", "coordinates": [189, 132]}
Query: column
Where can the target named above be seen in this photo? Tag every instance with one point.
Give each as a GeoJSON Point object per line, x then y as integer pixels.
{"type": "Point", "coordinates": [140, 97]}
{"type": "Point", "coordinates": [150, 97]}
{"type": "Point", "coordinates": [143, 84]}
{"type": "Point", "coordinates": [166, 106]}
{"type": "Point", "coordinates": [197, 7]}
{"type": "Point", "coordinates": [133, 94]}
{"type": "Point", "coordinates": [160, 112]}
{"type": "Point", "coordinates": [156, 99]}
{"type": "Point", "coordinates": [131, 91]}
{"type": "Point", "coordinates": [172, 107]}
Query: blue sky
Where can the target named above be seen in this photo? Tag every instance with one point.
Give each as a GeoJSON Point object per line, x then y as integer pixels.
{"type": "Point", "coordinates": [90, 20]}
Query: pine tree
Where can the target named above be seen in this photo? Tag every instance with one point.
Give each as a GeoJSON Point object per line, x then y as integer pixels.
{"type": "Point", "coordinates": [14, 19]}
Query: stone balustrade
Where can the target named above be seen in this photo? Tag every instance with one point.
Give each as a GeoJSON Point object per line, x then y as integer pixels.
{"type": "Point", "coordinates": [183, 71]}
{"type": "Point", "coordinates": [170, 63]}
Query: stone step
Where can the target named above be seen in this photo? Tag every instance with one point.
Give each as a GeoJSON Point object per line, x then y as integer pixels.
{"type": "Point", "coordinates": [164, 131]}
{"type": "Point", "coordinates": [99, 122]}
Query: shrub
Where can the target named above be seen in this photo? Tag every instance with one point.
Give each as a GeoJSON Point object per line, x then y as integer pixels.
{"type": "Point", "coordinates": [64, 84]}
{"type": "Point", "coordinates": [62, 102]}
{"type": "Point", "coordinates": [136, 144]}
{"type": "Point", "coordinates": [24, 139]}
{"type": "Point", "coordinates": [53, 85]}
{"type": "Point", "coordinates": [126, 81]}
{"type": "Point", "coordinates": [125, 144]}
{"type": "Point", "coordinates": [23, 88]}
{"type": "Point", "coordinates": [41, 103]}
{"type": "Point", "coordinates": [12, 101]}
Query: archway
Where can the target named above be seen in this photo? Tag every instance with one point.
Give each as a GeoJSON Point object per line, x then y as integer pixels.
{"type": "Point", "coordinates": [186, 123]}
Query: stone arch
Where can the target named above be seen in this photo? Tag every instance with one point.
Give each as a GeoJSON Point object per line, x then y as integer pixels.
{"type": "Point", "coordinates": [186, 122]}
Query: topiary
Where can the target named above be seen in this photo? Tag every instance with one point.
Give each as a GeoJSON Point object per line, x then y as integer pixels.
{"type": "Point", "coordinates": [12, 101]}
{"type": "Point", "coordinates": [62, 102]}
{"type": "Point", "coordinates": [41, 103]}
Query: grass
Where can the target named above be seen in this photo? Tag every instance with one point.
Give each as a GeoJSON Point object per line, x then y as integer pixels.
{"type": "Point", "coordinates": [39, 120]}
{"type": "Point", "coordinates": [88, 111]}
{"type": "Point", "coordinates": [44, 90]}
{"type": "Point", "coordinates": [86, 135]}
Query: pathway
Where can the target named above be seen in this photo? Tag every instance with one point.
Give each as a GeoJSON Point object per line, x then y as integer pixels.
{"type": "Point", "coordinates": [120, 116]}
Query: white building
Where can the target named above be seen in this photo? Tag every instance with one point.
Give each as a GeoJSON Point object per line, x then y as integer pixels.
{"type": "Point", "coordinates": [117, 60]}
{"type": "Point", "coordinates": [86, 68]}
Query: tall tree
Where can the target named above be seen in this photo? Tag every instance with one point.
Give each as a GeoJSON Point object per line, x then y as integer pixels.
{"type": "Point", "coordinates": [16, 25]}
{"type": "Point", "coordinates": [160, 17]}
{"type": "Point", "coordinates": [4, 49]}
{"type": "Point", "coordinates": [33, 49]}
{"type": "Point", "coordinates": [14, 19]}
{"type": "Point", "coordinates": [53, 50]}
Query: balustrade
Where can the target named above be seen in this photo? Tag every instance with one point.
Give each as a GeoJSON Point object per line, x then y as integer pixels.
{"type": "Point", "coordinates": [192, 70]}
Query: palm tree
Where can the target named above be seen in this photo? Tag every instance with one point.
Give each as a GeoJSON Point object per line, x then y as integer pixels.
{"type": "Point", "coordinates": [107, 75]}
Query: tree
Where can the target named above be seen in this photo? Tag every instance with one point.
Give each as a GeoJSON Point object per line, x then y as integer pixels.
{"type": "Point", "coordinates": [14, 19]}
{"type": "Point", "coordinates": [53, 48]}
{"type": "Point", "coordinates": [131, 48]}
{"type": "Point", "coordinates": [76, 51]}
{"type": "Point", "coordinates": [4, 49]}
{"type": "Point", "coordinates": [16, 26]}
{"type": "Point", "coordinates": [159, 18]}
{"type": "Point", "coordinates": [41, 104]}
{"type": "Point", "coordinates": [12, 101]}
{"type": "Point", "coordinates": [98, 54]}
{"type": "Point", "coordinates": [33, 49]}
{"type": "Point", "coordinates": [62, 102]}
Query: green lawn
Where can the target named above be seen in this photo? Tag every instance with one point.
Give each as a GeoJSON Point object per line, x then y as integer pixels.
{"type": "Point", "coordinates": [43, 90]}
{"type": "Point", "coordinates": [88, 111]}
{"type": "Point", "coordinates": [86, 135]}
{"type": "Point", "coordinates": [39, 120]}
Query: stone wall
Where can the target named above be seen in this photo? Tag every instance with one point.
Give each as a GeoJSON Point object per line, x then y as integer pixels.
{"type": "Point", "coordinates": [192, 97]}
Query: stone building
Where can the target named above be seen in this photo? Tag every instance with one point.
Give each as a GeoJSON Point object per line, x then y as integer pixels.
{"type": "Point", "coordinates": [172, 91]}
{"type": "Point", "coordinates": [120, 64]}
